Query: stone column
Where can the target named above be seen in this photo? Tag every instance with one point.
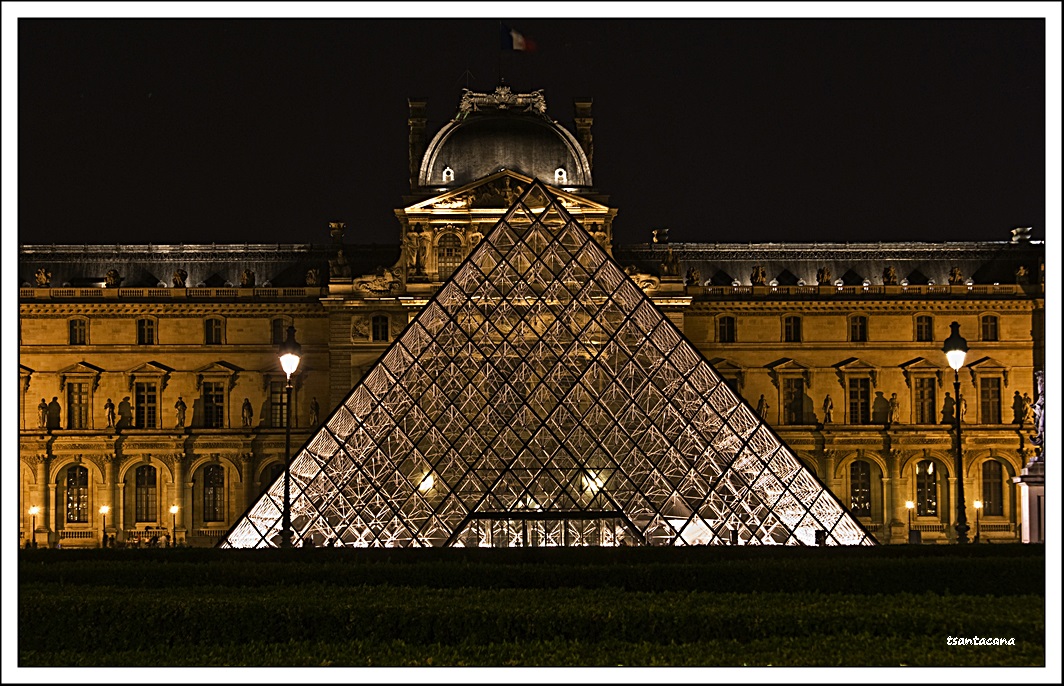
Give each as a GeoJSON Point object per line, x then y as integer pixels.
{"type": "Point", "coordinates": [247, 474]}
{"type": "Point", "coordinates": [108, 495]}
{"type": "Point", "coordinates": [897, 518]}
{"type": "Point", "coordinates": [44, 517]}
{"type": "Point", "coordinates": [179, 497]}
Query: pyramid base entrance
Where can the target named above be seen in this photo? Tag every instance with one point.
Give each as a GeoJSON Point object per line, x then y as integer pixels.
{"type": "Point", "coordinates": [546, 530]}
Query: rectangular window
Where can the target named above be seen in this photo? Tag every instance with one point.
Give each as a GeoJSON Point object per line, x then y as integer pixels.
{"type": "Point", "coordinates": [77, 495]}
{"type": "Point", "coordinates": [861, 488]}
{"type": "Point", "coordinates": [990, 400]}
{"type": "Point", "coordinates": [859, 329]}
{"type": "Point", "coordinates": [145, 332]}
{"type": "Point", "coordinates": [213, 493]}
{"type": "Point", "coordinates": [278, 404]}
{"type": "Point", "coordinates": [212, 332]}
{"type": "Point", "coordinates": [924, 329]}
{"type": "Point", "coordinates": [924, 397]}
{"type": "Point", "coordinates": [794, 400]}
{"type": "Point", "coordinates": [993, 493]}
{"type": "Point", "coordinates": [726, 330]}
{"type": "Point", "coordinates": [380, 328]}
{"type": "Point", "coordinates": [79, 332]}
{"type": "Point", "coordinates": [277, 329]}
{"type": "Point", "coordinates": [78, 405]}
{"type": "Point", "coordinates": [792, 330]}
{"type": "Point", "coordinates": [926, 489]}
{"type": "Point", "coordinates": [860, 393]}
{"type": "Point", "coordinates": [989, 326]}
{"type": "Point", "coordinates": [145, 395]}
{"type": "Point", "coordinates": [213, 404]}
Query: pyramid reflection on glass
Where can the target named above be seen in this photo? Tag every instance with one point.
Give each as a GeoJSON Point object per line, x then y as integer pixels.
{"type": "Point", "coordinates": [541, 399]}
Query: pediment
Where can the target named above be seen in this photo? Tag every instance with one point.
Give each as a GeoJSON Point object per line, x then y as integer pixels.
{"type": "Point", "coordinates": [920, 364]}
{"type": "Point", "coordinates": [218, 367]}
{"type": "Point", "coordinates": [498, 191]}
{"type": "Point", "coordinates": [23, 370]}
{"type": "Point", "coordinates": [988, 365]}
{"type": "Point", "coordinates": [787, 364]}
{"type": "Point", "coordinates": [152, 367]}
{"type": "Point", "coordinates": [856, 366]}
{"type": "Point", "coordinates": [80, 368]}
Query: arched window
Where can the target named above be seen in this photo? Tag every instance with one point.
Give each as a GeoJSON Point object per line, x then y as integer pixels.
{"type": "Point", "coordinates": [146, 505]}
{"type": "Point", "coordinates": [560, 176]}
{"type": "Point", "coordinates": [726, 330]}
{"type": "Point", "coordinates": [926, 489]}
{"type": "Point", "coordinates": [792, 329]}
{"type": "Point", "coordinates": [77, 495]}
{"type": "Point", "coordinates": [988, 327]}
{"type": "Point", "coordinates": [861, 488]}
{"type": "Point", "coordinates": [213, 493]}
{"type": "Point", "coordinates": [448, 254]}
{"type": "Point", "coordinates": [212, 331]}
{"type": "Point", "coordinates": [925, 329]}
{"type": "Point", "coordinates": [145, 331]}
{"type": "Point", "coordinates": [448, 175]}
{"type": "Point", "coordinates": [993, 491]}
{"type": "Point", "coordinates": [858, 329]}
{"type": "Point", "coordinates": [379, 324]}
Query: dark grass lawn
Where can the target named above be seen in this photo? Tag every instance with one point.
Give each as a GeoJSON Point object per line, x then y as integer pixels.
{"type": "Point", "coordinates": [884, 606]}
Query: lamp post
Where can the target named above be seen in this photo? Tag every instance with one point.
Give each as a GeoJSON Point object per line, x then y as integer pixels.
{"type": "Point", "coordinates": [33, 531]}
{"type": "Point", "coordinates": [909, 505]}
{"type": "Point", "coordinates": [173, 531]}
{"type": "Point", "coordinates": [104, 510]}
{"type": "Point", "coordinates": [956, 348]}
{"type": "Point", "coordinates": [288, 353]}
{"type": "Point", "coordinates": [978, 505]}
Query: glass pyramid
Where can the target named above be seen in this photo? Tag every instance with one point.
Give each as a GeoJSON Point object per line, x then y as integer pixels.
{"type": "Point", "coordinates": [541, 399]}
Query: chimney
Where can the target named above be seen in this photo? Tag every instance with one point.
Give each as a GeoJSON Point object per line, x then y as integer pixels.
{"type": "Point", "coordinates": [417, 123]}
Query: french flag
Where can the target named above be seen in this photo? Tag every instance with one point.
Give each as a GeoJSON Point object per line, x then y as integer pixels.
{"type": "Point", "coordinates": [512, 40]}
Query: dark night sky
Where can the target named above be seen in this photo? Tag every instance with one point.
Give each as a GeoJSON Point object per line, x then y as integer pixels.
{"type": "Point", "coordinates": [170, 131]}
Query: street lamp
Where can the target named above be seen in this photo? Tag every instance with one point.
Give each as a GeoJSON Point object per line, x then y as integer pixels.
{"type": "Point", "coordinates": [288, 353]}
{"type": "Point", "coordinates": [33, 532]}
{"type": "Point", "coordinates": [909, 505]}
{"type": "Point", "coordinates": [173, 513]}
{"type": "Point", "coordinates": [978, 505]}
{"type": "Point", "coordinates": [104, 510]}
{"type": "Point", "coordinates": [956, 348]}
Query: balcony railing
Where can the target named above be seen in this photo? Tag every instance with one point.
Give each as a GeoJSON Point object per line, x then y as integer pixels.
{"type": "Point", "coordinates": [172, 294]}
{"type": "Point", "coordinates": [869, 290]}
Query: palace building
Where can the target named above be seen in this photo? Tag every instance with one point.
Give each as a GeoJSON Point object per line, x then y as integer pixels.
{"type": "Point", "coordinates": [151, 401]}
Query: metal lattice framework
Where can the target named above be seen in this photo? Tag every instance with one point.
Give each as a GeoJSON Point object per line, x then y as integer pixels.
{"type": "Point", "coordinates": [540, 398]}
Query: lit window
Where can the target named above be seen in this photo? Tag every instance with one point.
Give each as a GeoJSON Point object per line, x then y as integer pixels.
{"type": "Point", "coordinates": [448, 175]}
{"type": "Point", "coordinates": [146, 493]}
{"type": "Point", "coordinates": [77, 495]}
{"type": "Point", "coordinates": [448, 254]}
{"type": "Point", "coordinates": [78, 405]}
{"type": "Point", "coordinates": [861, 488]}
{"type": "Point", "coordinates": [926, 489]}
{"type": "Point", "coordinates": [560, 176]}
{"type": "Point", "coordinates": [145, 332]}
{"type": "Point", "coordinates": [380, 328]}
{"type": "Point", "coordinates": [989, 327]}
{"type": "Point", "coordinates": [726, 330]}
{"type": "Point", "coordinates": [213, 493]}
{"type": "Point", "coordinates": [859, 329]}
{"type": "Point", "coordinates": [212, 332]}
{"type": "Point", "coordinates": [792, 329]}
{"type": "Point", "coordinates": [79, 332]}
{"type": "Point", "coordinates": [924, 329]}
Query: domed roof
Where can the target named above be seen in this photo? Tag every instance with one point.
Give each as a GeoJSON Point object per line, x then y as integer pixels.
{"type": "Point", "coordinates": [503, 130]}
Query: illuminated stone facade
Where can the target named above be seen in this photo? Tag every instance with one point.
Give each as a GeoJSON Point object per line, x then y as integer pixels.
{"type": "Point", "coordinates": [787, 325]}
